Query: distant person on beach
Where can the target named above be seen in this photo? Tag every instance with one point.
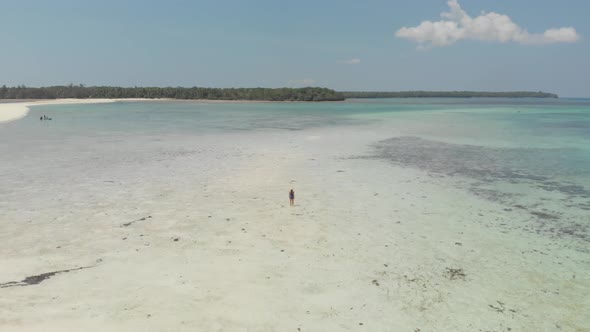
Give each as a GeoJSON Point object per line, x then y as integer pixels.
{"type": "Point", "coordinates": [41, 118]}
{"type": "Point", "coordinates": [292, 197]}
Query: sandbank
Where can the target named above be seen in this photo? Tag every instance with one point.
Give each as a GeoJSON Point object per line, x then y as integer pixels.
{"type": "Point", "coordinates": [15, 110]}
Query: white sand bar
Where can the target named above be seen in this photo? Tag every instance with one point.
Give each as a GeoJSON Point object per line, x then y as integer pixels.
{"type": "Point", "coordinates": [11, 111]}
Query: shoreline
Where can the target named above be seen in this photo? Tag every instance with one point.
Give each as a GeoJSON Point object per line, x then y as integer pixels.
{"type": "Point", "coordinates": [13, 111]}
{"type": "Point", "coordinates": [16, 109]}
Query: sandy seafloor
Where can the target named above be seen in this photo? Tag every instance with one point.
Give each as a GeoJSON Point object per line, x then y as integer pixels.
{"type": "Point", "coordinates": [175, 217]}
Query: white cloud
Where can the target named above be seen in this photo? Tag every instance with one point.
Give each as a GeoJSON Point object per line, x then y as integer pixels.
{"type": "Point", "coordinates": [305, 81]}
{"type": "Point", "coordinates": [457, 25]}
{"type": "Point", "coordinates": [352, 61]}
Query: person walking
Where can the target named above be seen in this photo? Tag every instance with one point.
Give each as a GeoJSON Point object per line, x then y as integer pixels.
{"type": "Point", "coordinates": [292, 197]}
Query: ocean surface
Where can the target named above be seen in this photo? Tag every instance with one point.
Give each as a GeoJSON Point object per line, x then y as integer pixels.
{"type": "Point", "coordinates": [528, 154]}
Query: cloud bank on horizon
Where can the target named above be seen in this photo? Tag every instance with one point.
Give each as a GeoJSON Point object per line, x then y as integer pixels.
{"type": "Point", "coordinates": [492, 27]}
{"type": "Point", "coordinates": [354, 61]}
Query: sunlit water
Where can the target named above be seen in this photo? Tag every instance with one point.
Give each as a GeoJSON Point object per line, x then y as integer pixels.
{"type": "Point", "coordinates": [528, 154]}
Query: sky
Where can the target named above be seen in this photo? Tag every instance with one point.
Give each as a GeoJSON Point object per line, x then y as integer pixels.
{"type": "Point", "coordinates": [371, 45]}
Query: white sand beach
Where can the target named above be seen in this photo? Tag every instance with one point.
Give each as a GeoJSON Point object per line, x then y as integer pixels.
{"type": "Point", "coordinates": [161, 233]}
{"type": "Point", "coordinates": [11, 111]}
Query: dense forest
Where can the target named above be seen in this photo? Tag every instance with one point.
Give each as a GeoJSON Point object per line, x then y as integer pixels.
{"type": "Point", "coordinates": [447, 94]}
{"type": "Point", "coordinates": [262, 94]}
{"type": "Point", "coordinates": [81, 91]}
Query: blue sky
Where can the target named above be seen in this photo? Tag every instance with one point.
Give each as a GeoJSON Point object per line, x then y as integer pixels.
{"type": "Point", "coordinates": [340, 44]}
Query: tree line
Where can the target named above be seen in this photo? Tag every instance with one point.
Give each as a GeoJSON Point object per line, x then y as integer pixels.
{"type": "Point", "coordinates": [260, 94]}
{"type": "Point", "coordinates": [447, 94]}
{"type": "Point", "coordinates": [81, 91]}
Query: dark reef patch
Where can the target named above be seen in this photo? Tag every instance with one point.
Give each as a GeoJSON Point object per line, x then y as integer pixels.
{"type": "Point", "coordinates": [505, 175]}
{"type": "Point", "coordinates": [487, 164]}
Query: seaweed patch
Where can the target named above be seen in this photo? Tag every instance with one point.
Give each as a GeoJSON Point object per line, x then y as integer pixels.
{"type": "Point", "coordinates": [37, 279]}
{"type": "Point", "coordinates": [127, 224]}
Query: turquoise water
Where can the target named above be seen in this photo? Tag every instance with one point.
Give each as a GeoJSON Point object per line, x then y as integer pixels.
{"type": "Point", "coordinates": [558, 128]}
{"type": "Point", "coordinates": [539, 122]}
{"type": "Point", "coordinates": [528, 154]}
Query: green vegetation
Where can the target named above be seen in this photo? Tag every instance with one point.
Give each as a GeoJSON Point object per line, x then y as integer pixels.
{"type": "Point", "coordinates": [80, 91]}
{"type": "Point", "coordinates": [261, 94]}
{"type": "Point", "coordinates": [447, 94]}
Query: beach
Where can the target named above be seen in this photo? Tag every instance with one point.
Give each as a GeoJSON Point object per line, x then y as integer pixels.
{"type": "Point", "coordinates": [162, 227]}
{"type": "Point", "coordinates": [11, 111]}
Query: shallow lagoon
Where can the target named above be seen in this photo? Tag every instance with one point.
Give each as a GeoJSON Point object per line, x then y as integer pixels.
{"type": "Point", "coordinates": [475, 209]}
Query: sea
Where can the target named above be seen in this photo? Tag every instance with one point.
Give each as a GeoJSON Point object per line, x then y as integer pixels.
{"type": "Point", "coordinates": [524, 153]}
{"type": "Point", "coordinates": [544, 143]}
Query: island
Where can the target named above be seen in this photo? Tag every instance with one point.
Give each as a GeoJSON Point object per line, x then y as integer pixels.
{"type": "Point", "coordinates": [308, 94]}
{"type": "Point", "coordinates": [193, 93]}
{"type": "Point", "coordinates": [447, 94]}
